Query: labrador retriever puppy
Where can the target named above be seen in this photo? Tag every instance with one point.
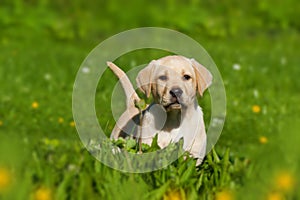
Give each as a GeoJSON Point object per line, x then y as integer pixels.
{"type": "Point", "coordinates": [173, 82]}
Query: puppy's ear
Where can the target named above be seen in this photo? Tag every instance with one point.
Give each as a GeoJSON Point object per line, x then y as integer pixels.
{"type": "Point", "coordinates": [203, 76]}
{"type": "Point", "coordinates": [144, 78]}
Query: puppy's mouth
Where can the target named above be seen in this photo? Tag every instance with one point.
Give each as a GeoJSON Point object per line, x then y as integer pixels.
{"type": "Point", "coordinates": [174, 105]}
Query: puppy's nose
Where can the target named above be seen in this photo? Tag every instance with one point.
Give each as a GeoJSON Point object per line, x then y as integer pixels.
{"type": "Point", "coordinates": [176, 92]}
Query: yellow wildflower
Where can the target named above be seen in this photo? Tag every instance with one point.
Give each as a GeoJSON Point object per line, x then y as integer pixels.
{"type": "Point", "coordinates": [1, 123]}
{"type": "Point", "coordinates": [263, 139]}
{"type": "Point", "coordinates": [35, 105]}
{"type": "Point", "coordinates": [72, 123]}
{"type": "Point", "coordinates": [256, 109]}
{"type": "Point", "coordinates": [285, 181]}
{"type": "Point", "coordinates": [173, 195]}
{"type": "Point", "coordinates": [224, 195]}
{"type": "Point", "coordinates": [275, 196]}
{"type": "Point", "coordinates": [60, 120]}
{"type": "Point", "coordinates": [5, 179]}
{"type": "Point", "coordinates": [43, 194]}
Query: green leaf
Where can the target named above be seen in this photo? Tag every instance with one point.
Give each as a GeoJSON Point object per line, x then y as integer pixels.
{"type": "Point", "coordinates": [200, 180]}
{"type": "Point", "coordinates": [158, 193]}
{"type": "Point", "coordinates": [130, 144]}
{"type": "Point", "coordinates": [215, 155]}
{"type": "Point", "coordinates": [154, 145]}
{"type": "Point", "coordinates": [141, 105]}
{"type": "Point", "coordinates": [188, 172]}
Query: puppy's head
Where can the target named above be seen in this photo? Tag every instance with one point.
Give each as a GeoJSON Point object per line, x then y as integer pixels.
{"type": "Point", "coordinates": [174, 81]}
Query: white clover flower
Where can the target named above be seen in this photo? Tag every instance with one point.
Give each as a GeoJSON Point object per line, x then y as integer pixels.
{"type": "Point", "coordinates": [85, 70]}
{"type": "Point", "coordinates": [216, 121]}
{"type": "Point", "coordinates": [236, 67]}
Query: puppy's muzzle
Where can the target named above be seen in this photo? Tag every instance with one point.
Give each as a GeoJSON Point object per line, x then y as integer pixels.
{"type": "Point", "coordinates": [175, 93]}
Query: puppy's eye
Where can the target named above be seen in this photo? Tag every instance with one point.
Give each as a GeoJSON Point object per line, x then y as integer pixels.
{"type": "Point", "coordinates": [163, 78]}
{"type": "Point", "coordinates": [186, 77]}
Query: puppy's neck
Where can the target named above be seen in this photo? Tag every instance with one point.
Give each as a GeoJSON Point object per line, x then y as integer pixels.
{"type": "Point", "coordinates": [188, 111]}
{"type": "Point", "coordinates": [173, 120]}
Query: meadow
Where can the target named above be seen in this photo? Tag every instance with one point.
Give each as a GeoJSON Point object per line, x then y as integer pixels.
{"type": "Point", "coordinates": [255, 45]}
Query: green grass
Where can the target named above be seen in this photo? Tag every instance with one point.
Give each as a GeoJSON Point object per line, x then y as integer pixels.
{"type": "Point", "coordinates": [42, 46]}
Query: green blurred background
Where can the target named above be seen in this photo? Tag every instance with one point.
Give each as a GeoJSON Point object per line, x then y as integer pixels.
{"type": "Point", "coordinates": [254, 43]}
